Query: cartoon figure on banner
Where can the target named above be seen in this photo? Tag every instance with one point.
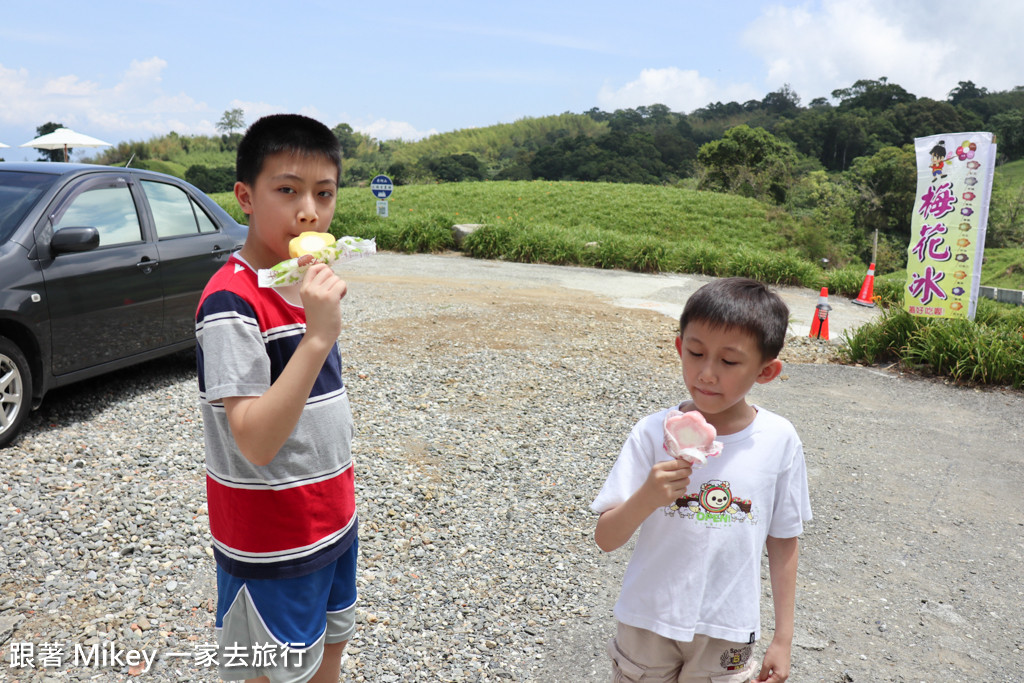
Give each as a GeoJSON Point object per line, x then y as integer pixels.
{"type": "Point", "coordinates": [940, 159]}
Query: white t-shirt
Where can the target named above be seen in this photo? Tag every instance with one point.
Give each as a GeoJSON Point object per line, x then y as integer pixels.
{"type": "Point", "coordinates": [696, 567]}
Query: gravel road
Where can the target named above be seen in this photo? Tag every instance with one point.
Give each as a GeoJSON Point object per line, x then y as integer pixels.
{"type": "Point", "coordinates": [491, 400]}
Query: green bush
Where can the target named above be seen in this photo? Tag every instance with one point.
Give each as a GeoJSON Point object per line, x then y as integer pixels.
{"type": "Point", "coordinates": [988, 350]}
{"type": "Point", "coordinates": [168, 167]}
{"type": "Point", "coordinates": [489, 242]}
{"type": "Point", "coordinates": [207, 179]}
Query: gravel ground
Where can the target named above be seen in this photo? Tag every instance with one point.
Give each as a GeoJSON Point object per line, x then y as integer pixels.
{"type": "Point", "coordinates": [488, 414]}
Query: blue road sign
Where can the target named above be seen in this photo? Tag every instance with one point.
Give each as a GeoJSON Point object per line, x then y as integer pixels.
{"type": "Point", "coordinates": [382, 187]}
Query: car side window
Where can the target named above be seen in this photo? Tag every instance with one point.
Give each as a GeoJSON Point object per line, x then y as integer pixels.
{"type": "Point", "coordinates": [111, 210]}
{"type": "Point", "coordinates": [174, 212]}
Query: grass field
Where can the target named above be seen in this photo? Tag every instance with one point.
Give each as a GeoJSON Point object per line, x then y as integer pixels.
{"type": "Point", "coordinates": [669, 229]}
{"type": "Point", "coordinates": [1012, 173]}
{"type": "Point", "coordinates": [634, 227]}
{"type": "Point", "coordinates": [1003, 268]}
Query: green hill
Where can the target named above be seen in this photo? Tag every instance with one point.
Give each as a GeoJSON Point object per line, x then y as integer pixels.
{"type": "Point", "coordinates": [495, 144]}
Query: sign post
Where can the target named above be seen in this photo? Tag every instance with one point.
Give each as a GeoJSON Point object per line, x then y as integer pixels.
{"type": "Point", "coordinates": [947, 244]}
{"type": "Point", "coordinates": [382, 187]}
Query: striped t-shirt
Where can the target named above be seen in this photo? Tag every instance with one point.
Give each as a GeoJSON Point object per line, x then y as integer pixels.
{"type": "Point", "coordinates": [296, 514]}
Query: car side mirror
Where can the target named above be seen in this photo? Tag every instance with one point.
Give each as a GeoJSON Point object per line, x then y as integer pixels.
{"type": "Point", "coordinates": [67, 240]}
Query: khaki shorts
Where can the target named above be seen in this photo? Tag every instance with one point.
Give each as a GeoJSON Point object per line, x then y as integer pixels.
{"type": "Point", "coordinates": [641, 655]}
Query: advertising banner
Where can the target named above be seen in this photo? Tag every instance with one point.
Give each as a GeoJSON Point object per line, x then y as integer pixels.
{"type": "Point", "coordinates": [947, 229]}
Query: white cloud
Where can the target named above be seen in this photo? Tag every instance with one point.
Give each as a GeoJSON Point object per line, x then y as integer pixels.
{"type": "Point", "coordinates": [681, 90]}
{"type": "Point", "coordinates": [925, 46]}
{"type": "Point", "coordinates": [135, 106]}
{"type": "Point", "coordinates": [382, 129]}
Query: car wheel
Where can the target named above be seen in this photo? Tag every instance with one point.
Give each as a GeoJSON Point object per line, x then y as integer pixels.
{"type": "Point", "coordinates": [15, 390]}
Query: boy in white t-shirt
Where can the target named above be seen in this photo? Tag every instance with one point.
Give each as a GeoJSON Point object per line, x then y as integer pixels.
{"type": "Point", "coordinates": [689, 609]}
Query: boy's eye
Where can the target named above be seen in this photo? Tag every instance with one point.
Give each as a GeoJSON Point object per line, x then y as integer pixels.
{"type": "Point", "coordinates": [695, 354]}
{"type": "Point", "coordinates": [327, 194]}
{"type": "Point", "coordinates": [286, 190]}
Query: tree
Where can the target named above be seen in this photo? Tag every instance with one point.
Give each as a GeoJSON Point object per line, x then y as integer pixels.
{"type": "Point", "coordinates": [784, 101]}
{"type": "Point", "coordinates": [925, 117]}
{"type": "Point", "coordinates": [965, 91]}
{"type": "Point", "coordinates": [886, 182]}
{"type": "Point", "coordinates": [50, 154]}
{"type": "Point", "coordinates": [874, 96]}
{"type": "Point", "coordinates": [209, 180]}
{"type": "Point", "coordinates": [232, 120]}
{"type": "Point", "coordinates": [455, 168]}
{"type": "Point", "coordinates": [347, 138]}
{"type": "Point", "coordinates": [1009, 129]}
{"type": "Point", "coordinates": [748, 161]}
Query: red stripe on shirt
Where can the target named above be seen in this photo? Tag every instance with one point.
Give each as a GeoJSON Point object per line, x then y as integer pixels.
{"type": "Point", "coordinates": [240, 519]}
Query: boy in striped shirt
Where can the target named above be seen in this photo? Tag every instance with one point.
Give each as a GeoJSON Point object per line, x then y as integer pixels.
{"type": "Point", "coordinates": [277, 422]}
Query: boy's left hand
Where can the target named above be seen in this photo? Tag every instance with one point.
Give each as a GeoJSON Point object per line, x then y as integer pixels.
{"type": "Point", "coordinates": [321, 291]}
{"type": "Point", "coordinates": [775, 667]}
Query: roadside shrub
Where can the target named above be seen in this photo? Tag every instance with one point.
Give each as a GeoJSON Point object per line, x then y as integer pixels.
{"type": "Point", "coordinates": [887, 338]}
{"type": "Point", "coordinates": [702, 259]}
{"type": "Point", "coordinates": [988, 350]}
{"type": "Point", "coordinates": [648, 255]}
{"type": "Point", "coordinates": [772, 268]}
{"type": "Point", "coordinates": [425, 234]}
{"type": "Point", "coordinates": [489, 242]}
{"type": "Point", "coordinates": [551, 245]}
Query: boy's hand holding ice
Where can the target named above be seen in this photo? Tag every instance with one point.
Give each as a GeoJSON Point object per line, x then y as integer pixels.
{"type": "Point", "coordinates": [665, 483]}
{"type": "Point", "coordinates": [690, 440]}
{"type": "Point", "coordinates": [321, 292]}
{"type": "Point", "coordinates": [314, 247]}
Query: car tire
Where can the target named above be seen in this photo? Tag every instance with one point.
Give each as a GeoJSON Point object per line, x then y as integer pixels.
{"type": "Point", "coordinates": [15, 391]}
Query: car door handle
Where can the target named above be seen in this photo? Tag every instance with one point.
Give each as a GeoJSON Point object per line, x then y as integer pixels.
{"type": "Point", "coordinates": [217, 251]}
{"type": "Point", "coordinates": [147, 265]}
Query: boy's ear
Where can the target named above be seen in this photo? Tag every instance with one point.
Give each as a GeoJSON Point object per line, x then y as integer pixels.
{"type": "Point", "coordinates": [679, 345]}
{"type": "Point", "coordinates": [243, 194]}
{"type": "Point", "coordinates": [770, 371]}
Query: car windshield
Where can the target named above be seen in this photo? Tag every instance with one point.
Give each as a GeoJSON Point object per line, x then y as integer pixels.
{"type": "Point", "coordinates": [18, 193]}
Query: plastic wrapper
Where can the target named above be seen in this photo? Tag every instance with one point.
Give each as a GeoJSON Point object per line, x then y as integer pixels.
{"type": "Point", "coordinates": [289, 272]}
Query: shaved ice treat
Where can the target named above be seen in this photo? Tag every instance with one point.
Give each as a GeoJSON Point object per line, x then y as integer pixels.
{"type": "Point", "coordinates": [689, 436]}
{"type": "Point", "coordinates": [314, 247]}
{"type": "Point", "coordinates": [309, 243]}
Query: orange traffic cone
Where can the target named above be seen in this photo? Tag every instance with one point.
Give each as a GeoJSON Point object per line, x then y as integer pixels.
{"type": "Point", "coordinates": [819, 326]}
{"type": "Point", "coordinates": [867, 290]}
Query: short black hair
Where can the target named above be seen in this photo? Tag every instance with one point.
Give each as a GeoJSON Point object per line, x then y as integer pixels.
{"type": "Point", "coordinates": [744, 304]}
{"type": "Point", "coordinates": [276, 133]}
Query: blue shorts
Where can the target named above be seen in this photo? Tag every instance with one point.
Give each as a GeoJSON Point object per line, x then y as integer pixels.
{"type": "Point", "coordinates": [277, 627]}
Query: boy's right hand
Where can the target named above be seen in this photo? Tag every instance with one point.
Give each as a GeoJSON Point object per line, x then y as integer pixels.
{"type": "Point", "coordinates": [321, 292]}
{"type": "Point", "coordinates": [667, 482]}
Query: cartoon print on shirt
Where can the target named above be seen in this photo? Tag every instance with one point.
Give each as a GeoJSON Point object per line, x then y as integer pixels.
{"type": "Point", "coordinates": [714, 503]}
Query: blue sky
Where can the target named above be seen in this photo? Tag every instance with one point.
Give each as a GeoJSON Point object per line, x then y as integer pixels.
{"type": "Point", "coordinates": [131, 71]}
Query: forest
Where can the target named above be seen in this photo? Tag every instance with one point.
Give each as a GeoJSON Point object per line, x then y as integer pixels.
{"type": "Point", "coordinates": [844, 164]}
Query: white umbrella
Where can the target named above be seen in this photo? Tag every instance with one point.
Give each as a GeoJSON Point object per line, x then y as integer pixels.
{"type": "Point", "coordinates": [3, 145]}
{"type": "Point", "coordinates": [62, 138]}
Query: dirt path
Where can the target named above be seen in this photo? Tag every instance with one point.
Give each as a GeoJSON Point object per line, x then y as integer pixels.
{"type": "Point", "coordinates": [910, 570]}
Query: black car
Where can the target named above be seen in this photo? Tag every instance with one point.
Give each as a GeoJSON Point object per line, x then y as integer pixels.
{"type": "Point", "coordinates": [100, 268]}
